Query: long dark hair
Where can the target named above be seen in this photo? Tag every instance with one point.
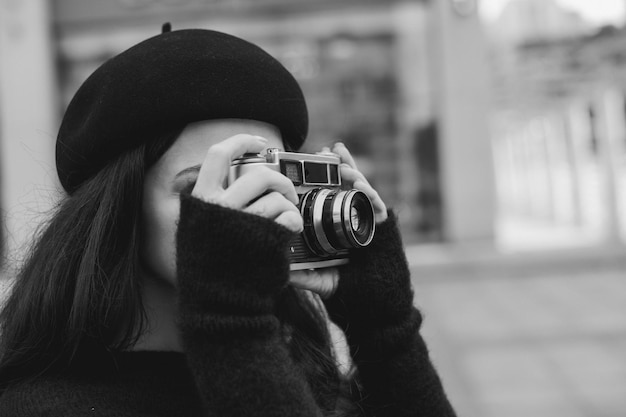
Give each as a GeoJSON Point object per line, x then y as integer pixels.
{"type": "Point", "coordinates": [77, 288]}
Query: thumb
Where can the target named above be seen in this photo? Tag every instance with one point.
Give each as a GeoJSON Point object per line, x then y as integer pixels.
{"type": "Point", "coordinates": [321, 281]}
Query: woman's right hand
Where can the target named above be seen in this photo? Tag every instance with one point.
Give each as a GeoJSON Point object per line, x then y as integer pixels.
{"type": "Point", "coordinates": [260, 191]}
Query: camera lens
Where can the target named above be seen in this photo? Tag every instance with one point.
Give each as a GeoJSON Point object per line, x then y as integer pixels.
{"type": "Point", "coordinates": [353, 219]}
{"type": "Point", "coordinates": [336, 220]}
{"type": "Point", "coordinates": [312, 209]}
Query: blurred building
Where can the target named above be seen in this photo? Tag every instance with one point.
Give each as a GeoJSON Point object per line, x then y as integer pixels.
{"type": "Point", "coordinates": [560, 123]}
{"type": "Point", "coordinates": [552, 70]}
{"type": "Point", "coordinates": [524, 20]}
{"type": "Point", "coordinates": [402, 82]}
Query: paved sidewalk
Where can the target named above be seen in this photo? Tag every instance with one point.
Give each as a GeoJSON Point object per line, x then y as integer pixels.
{"type": "Point", "coordinates": [528, 336]}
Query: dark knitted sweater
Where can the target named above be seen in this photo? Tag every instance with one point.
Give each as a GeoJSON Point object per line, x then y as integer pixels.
{"type": "Point", "coordinates": [232, 267]}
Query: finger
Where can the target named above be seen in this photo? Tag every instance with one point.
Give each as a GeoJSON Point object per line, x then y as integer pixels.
{"type": "Point", "coordinates": [254, 184]}
{"type": "Point", "coordinates": [380, 209]}
{"type": "Point", "coordinates": [271, 206]}
{"type": "Point", "coordinates": [355, 179]}
{"type": "Point", "coordinates": [345, 155]}
{"type": "Point", "coordinates": [321, 281]}
{"type": "Point", "coordinates": [367, 189]}
{"type": "Point", "coordinates": [350, 175]}
{"type": "Point", "coordinates": [291, 220]}
{"type": "Point", "coordinates": [216, 164]}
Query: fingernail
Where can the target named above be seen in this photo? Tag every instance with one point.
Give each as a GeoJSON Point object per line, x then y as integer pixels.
{"type": "Point", "coordinates": [261, 138]}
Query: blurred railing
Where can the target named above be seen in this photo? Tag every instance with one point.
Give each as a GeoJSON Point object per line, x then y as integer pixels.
{"type": "Point", "coordinates": [564, 169]}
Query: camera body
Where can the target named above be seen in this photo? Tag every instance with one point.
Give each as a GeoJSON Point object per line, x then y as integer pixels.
{"type": "Point", "coordinates": [335, 220]}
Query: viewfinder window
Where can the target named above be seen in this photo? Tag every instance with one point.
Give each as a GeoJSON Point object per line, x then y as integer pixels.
{"type": "Point", "coordinates": [334, 174]}
{"type": "Point", "coordinates": [293, 171]}
{"type": "Point", "coordinates": [315, 173]}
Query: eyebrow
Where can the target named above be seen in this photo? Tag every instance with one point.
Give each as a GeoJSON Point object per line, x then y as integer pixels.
{"type": "Point", "coordinates": [189, 170]}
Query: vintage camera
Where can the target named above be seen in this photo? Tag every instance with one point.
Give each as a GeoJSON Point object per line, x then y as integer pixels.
{"type": "Point", "coordinates": [335, 220]}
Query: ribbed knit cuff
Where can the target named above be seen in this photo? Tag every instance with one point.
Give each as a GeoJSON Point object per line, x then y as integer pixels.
{"type": "Point", "coordinates": [229, 262]}
{"type": "Point", "coordinates": [374, 289]}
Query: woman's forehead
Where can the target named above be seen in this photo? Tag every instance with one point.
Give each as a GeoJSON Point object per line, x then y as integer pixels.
{"type": "Point", "coordinates": [191, 146]}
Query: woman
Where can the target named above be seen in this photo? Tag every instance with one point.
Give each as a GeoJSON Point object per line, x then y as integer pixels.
{"type": "Point", "coordinates": [155, 290]}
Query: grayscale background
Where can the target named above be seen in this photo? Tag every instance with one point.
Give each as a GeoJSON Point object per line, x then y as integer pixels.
{"type": "Point", "coordinates": [495, 128]}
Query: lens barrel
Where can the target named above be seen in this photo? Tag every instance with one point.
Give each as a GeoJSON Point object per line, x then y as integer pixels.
{"type": "Point", "coordinates": [336, 220]}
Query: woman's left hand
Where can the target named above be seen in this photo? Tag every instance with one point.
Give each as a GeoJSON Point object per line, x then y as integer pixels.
{"type": "Point", "coordinates": [324, 281]}
{"type": "Point", "coordinates": [352, 178]}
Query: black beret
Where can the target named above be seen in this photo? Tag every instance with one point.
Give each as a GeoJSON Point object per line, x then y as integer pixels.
{"type": "Point", "coordinates": [167, 82]}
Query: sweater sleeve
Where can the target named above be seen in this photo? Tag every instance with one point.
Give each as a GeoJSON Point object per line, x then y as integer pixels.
{"type": "Point", "coordinates": [373, 304]}
{"type": "Point", "coordinates": [231, 268]}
